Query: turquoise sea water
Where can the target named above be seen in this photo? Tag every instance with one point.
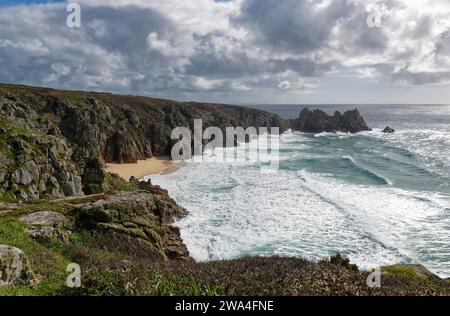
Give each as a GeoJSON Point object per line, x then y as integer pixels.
{"type": "Point", "coordinates": [378, 198]}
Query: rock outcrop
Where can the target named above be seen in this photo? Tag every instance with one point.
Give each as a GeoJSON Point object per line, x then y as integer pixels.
{"type": "Point", "coordinates": [318, 121]}
{"type": "Point", "coordinates": [33, 163]}
{"type": "Point", "coordinates": [388, 130]}
{"type": "Point", "coordinates": [14, 267]}
{"type": "Point", "coordinates": [48, 225]}
{"type": "Point", "coordinates": [144, 216]}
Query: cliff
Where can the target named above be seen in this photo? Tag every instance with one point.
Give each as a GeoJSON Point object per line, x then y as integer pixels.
{"type": "Point", "coordinates": [53, 143]}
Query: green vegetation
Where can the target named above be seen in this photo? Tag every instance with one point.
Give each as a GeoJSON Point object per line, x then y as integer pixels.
{"type": "Point", "coordinates": [143, 281]}
{"type": "Point", "coordinates": [402, 271]}
{"type": "Point", "coordinates": [340, 260]}
{"type": "Point", "coordinates": [58, 205]}
{"type": "Point", "coordinates": [48, 264]}
{"type": "Point", "coordinates": [114, 183]}
{"type": "Point", "coordinates": [8, 197]}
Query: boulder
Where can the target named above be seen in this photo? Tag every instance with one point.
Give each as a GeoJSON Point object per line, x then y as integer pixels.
{"type": "Point", "coordinates": [352, 122]}
{"type": "Point", "coordinates": [174, 247]}
{"type": "Point", "coordinates": [388, 130]}
{"type": "Point", "coordinates": [14, 267]}
{"type": "Point", "coordinates": [94, 171]}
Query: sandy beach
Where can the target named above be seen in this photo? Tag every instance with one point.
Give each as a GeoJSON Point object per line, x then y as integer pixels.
{"type": "Point", "coordinates": [142, 168]}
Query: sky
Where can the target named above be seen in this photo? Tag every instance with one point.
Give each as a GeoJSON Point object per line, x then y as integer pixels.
{"type": "Point", "coordinates": [234, 51]}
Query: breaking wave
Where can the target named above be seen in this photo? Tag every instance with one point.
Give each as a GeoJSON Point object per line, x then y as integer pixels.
{"type": "Point", "coordinates": [372, 196]}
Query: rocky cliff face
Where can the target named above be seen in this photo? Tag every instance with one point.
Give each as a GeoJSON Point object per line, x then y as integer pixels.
{"type": "Point", "coordinates": [35, 162]}
{"type": "Point", "coordinates": [53, 143]}
{"type": "Point", "coordinates": [318, 121]}
{"type": "Point", "coordinates": [123, 129]}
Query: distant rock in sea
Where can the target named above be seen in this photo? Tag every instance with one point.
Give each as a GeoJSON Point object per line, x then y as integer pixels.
{"type": "Point", "coordinates": [388, 130]}
{"type": "Point", "coordinates": [318, 121]}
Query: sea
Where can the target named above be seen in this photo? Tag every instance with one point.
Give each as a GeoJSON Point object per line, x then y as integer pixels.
{"type": "Point", "coordinates": [377, 198]}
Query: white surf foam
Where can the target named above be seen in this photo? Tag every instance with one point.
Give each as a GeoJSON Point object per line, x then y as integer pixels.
{"type": "Point", "coordinates": [234, 210]}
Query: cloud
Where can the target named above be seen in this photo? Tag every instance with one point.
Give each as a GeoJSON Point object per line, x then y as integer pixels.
{"type": "Point", "coordinates": [292, 26]}
{"type": "Point", "coordinates": [184, 49]}
{"type": "Point", "coordinates": [284, 85]}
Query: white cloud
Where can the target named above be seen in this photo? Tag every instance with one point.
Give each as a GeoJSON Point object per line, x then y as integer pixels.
{"type": "Point", "coordinates": [161, 46]}
{"type": "Point", "coordinates": [175, 48]}
{"type": "Point", "coordinates": [284, 85]}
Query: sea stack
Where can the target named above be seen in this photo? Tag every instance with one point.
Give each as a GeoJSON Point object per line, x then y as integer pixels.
{"type": "Point", "coordinates": [318, 121]}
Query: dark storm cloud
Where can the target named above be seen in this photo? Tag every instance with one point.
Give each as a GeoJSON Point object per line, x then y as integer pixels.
{"type": "Point", "coordinates": [371, 40]}
{"type": "Point", "coordinates": [292, 25]}
{"type": "Point", "coordinates": [108, 52]}
{"type": "Point", "coordinates": [209, 59]}
{"type": "Point", "coordinates": [306, 67]}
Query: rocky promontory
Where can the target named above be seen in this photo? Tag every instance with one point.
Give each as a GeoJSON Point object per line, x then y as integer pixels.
{"type": "Point", "coordinates": [142, 219]}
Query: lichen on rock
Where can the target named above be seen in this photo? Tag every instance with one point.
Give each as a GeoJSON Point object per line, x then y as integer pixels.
{"type": "Point", "coordinates": [14, 267]}
{"type": "Point", "coordinates": [48, 225]}
{"type": "Point", "coordinates": [143, 215]}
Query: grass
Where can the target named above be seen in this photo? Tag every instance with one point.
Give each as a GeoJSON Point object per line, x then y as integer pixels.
{"type": "Point", "coordinates": [114, 183]}
{"type": "Point", "coordinates": [47, 263]}
{"type": "Point", "coordinates": [59, 205]}
{"type": "Point", "coordinates": [139, 281]}
{"type": "Point", "coordinates": [48, 259]}
{"type": "Point", "coordinates": [405, 272]}
{"type": "Point", "coordinates": [8, 197]}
